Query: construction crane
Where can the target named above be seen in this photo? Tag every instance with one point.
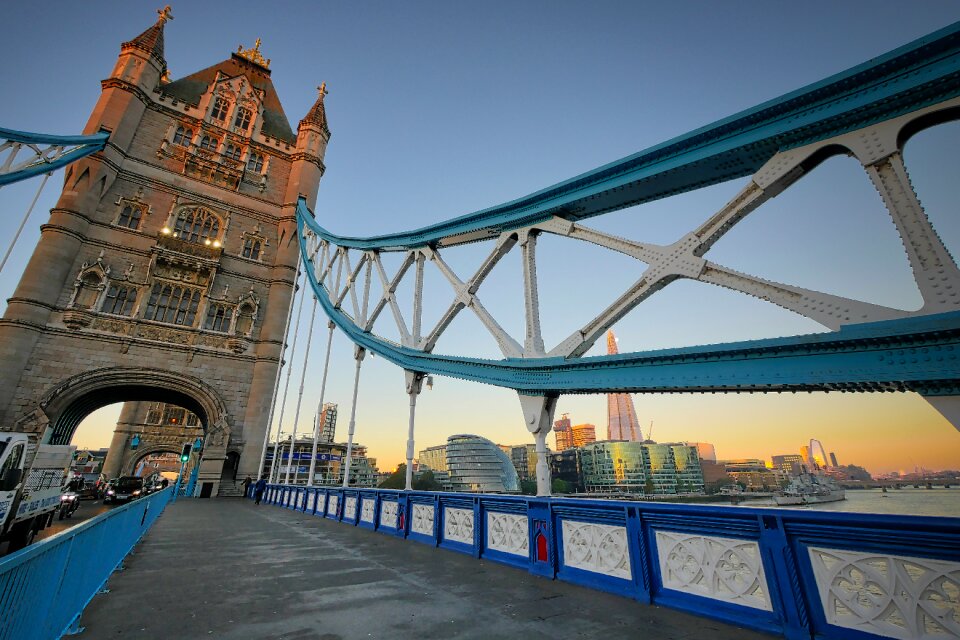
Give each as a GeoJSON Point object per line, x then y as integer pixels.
{"type": "Point", "coordinates": [650, 432]}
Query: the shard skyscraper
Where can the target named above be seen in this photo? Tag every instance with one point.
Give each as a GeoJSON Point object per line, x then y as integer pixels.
{"type": "Point", "coordinates": [622, 421]}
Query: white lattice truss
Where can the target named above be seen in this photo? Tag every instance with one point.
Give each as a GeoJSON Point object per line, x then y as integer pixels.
{"type": "Point", "coordinates": [600, 548]}
{"type": "Point", "coordinates": [21, 156]}
{"type": "Point", "coordinates": [724, 569]}
{"type": "Point", "coordinates": [888, 595]}
{"type": "Point", "coordinates": [346, 272]}
{"type": "Point", "coordinates": [508, 532]}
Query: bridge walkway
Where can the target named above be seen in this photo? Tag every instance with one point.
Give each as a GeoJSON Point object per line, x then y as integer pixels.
{"type": "Point", "coordinates": [230, 569]}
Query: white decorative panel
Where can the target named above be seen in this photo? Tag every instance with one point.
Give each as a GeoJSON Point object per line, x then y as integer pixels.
{"type": "Point", "coordinates": [388, 514]}
{"type": "Point", "coordinates": [422, 519]}
{"type": "Point", "coordinates": [332, 504]}
{"type": "Point", "coordinates": [600, 548]}
{"type": "Point", "coordinates": [725, 569]}
{"type": "Point", "coordinates": [367, 506]}
{"type": "Point", "coordinates": [458, 525]}
{"type": "Point", "coordinates": [893, 596]}
{"type": "Point", "coordinates": [311, 499]}
{"type": "Point", "coordinates": [321, 503]}
{"type": "Point", "coordinates": [508, 532]}
{"type": "Point", "coordinates": [350, 508]}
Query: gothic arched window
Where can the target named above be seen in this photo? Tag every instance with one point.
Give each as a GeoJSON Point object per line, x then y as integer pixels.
{"type": "Point", "coordinates": [183, 136]}
{"type": "Point", "coordinates": [130, 216]}
{"type": "Point", "coordinates": [252, 245]}
{"type": "Point", "coordinates": [233, 152]}
{"type": "Point", "coordinates": [119, 300]}
{"type": "Point", "coordinates": [255, 163]}
{"type": "Point", "coordinates": [220, 108]}
{"type": "Point", "coordinates": [242, 121]}
{"type": "Point", "coordinates": [209, 142]}
{"type": "Point", "coordinates": [173, 304]}
{"type": "Point", "coordinates": [244, 320]}
{"type": "Point", "coordinates": [197, 225]}
{"type": "Point", "coordinates": [218, 318]}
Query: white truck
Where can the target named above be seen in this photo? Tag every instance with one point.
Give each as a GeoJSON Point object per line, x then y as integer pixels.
{"type": "Point", "coordinates": [31, 482]}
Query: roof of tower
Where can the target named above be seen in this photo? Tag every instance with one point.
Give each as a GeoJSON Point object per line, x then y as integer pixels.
{"type": "Point", "coordinates": [151, 40]}
{"type": "Point", "coordinates": [190, 89]}
{"type": "Point", "coordinates": [318, 114]}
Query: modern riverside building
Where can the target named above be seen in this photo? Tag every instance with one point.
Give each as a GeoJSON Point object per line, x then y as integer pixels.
{"type": "Point", "coordinates": [327, 470]}
{"type": "Point", "coordinates": [584, 434]}
{"type": "Point", "coordinates": [475, 464]}
{"type": "Point", "coordinates": [622, 423]}
{"type": "Point", "coordinates": [705, 450]}
{"type": "Point", "coordinates": [434, 458]}
{"type": "Point", "coordinates": [753, 474]}
{"type": "Point", "coordinates": [634, 467]}
{"type": "Point", "coordinates": [565, 465]}
{"type": "Point", "coordinates": [524, 457]}
{"type": "Point", "coordinates": [789, 464]}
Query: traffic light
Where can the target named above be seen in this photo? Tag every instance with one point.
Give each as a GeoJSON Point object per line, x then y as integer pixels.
{"type": "Point", "coordinates": [185, 453]}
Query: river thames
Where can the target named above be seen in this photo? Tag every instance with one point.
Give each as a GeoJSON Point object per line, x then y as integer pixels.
{"type": "Point", "coordinates": [907, 502]}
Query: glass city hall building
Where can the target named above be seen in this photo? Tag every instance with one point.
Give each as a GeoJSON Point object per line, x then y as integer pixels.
{"type": "Point", "coordinates": [645, 468]}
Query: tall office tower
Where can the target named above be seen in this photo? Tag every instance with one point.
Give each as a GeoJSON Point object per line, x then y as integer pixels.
{"type": "Point", "coordinates": [564, 433]}
{"type": "Point", "coordinates": [705, 450]}
{"type": "Point", "coordinates": [584, 434]}
{"type": "Point", "coordinates": [622, 421]}
{"type": "Point", "coordinates": [328, 422]}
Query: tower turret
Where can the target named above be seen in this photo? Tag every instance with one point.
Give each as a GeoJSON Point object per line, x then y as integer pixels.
{"type": "Point", "coordinates": [313, 134]}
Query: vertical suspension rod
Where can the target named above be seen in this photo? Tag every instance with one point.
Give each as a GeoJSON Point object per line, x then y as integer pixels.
{"type": "Point", "coordinates": [277, 457]}
{"type": "Point", "coordinates": [276, 382]}
{"type": "Point", "coordinates": [303, 377]}
{"type": "Point", "coordinates": [23, 222]}
{"type": "Point", "coordinates": [323, 391]}
{"type": "Point", "coordinates": [359, 353]}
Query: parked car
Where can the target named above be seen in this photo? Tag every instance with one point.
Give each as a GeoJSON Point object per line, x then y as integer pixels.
{"type": "Point", "coordinates": [127, 488]}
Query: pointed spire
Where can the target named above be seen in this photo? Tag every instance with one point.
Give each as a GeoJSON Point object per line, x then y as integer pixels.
{"type": "Point", "coordinates": [151, 40]}
{"type": "Point", "coordinates": [317, 114]}
{"type": "Point", "coordinates": [612, 343]}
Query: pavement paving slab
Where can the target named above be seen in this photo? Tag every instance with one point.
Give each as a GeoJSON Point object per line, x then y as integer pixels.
{"type": "Point", "coordinates": [233, 570]}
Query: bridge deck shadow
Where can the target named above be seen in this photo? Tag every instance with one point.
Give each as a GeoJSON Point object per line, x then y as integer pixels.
{"type": "Point", "coordinates": [230, 569]}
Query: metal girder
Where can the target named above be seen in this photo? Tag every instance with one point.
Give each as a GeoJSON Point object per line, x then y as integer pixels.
{"type": "Point", "coordinates": [24, 155]}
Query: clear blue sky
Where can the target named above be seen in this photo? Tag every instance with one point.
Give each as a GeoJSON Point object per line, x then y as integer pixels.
{"type": "Point", "coordinates": [438, 109]}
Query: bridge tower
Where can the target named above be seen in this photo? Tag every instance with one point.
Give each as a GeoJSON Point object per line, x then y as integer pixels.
{"type": "Point", "coordinates": [167, 266]}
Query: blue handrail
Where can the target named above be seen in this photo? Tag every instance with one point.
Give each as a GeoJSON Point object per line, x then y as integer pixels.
{"type": "Point", "coordinates": [45, 587]}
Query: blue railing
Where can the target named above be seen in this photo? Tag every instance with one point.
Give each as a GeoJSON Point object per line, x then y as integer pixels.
{"type": "Point", "coordinates": [803, 574]}
{"type": "Point", "coordinates": [45, 587]}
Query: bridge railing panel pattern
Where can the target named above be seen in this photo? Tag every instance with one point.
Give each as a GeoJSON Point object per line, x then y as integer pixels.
{"type": "Point", "coordinates": [45, 587]}
{"type": "Point", "coordinates": [798, 573]}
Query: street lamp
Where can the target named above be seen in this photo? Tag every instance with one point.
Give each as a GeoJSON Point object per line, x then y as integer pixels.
{"type": "Point", "coordinates": [430, 383]}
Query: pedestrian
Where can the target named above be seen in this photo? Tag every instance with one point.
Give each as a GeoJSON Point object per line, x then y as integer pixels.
{"type": "Point", "coordinates": [246, 485]}
{"type": "Point", "coordinates": [259, 488]}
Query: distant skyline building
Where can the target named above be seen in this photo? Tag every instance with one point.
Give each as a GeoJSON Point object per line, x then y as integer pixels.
{"type": "Point", "coordinates": [563, 432]}
{"type": "Point", "coordinates": [622, 423]}
{"type": "Point", "coordinates": [634, 467]}
{"type": "Point", "coordinates": [524, 457]}
{"type": "Point", "coordinates": [434, 458]}
{"type": "Point", "coordinates": [833, 459]}
{"type": "Point", "coordinates": [584, 434]}
{"type": "Point", "coordinates": [328, 422]}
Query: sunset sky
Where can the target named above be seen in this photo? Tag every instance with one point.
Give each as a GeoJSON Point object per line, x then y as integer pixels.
{"type": "Point", "coordinates": [438, 109]}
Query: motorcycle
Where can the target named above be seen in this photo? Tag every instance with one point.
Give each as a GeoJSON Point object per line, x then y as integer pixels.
{"type": "Point", "coordinates": [69, 502]}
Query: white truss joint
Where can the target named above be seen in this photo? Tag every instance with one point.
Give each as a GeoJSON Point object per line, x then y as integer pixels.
{"type": "Point", "coordinates": [533, 342]}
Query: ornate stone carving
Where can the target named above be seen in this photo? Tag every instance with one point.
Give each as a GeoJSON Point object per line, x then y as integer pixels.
{"type": "Point", "coordinates": [725, 569]}
{"type": "Point", "coordinates": [600, 548]}
{"type": "Point", "coordinates": [162, 334]}
{"type": "Point", "coordinates": [237, 345]}
{"type": "Point", "coordinates": [458, 525]}
{"type": "Point", "coordinates": [207, 340]}
{"type": "Point", "coordinates": [350, 508]}
{"type": "Point", "coordinates": [508, 532]}
{"type": "Point", "coordinates": [422, 519]}
{"type": "Point", "coordinates": [388, 514]}
{"type": "Point", "coordinates": [75, 319]}
{"type": "Point", "coordinates": [892, 596]}
{"type": "Point", "coordinates": [332, 504]}
{"type": "Point", "coordinates": [366, 509]}
{"type": "Point", "coordinates": [106, 324]}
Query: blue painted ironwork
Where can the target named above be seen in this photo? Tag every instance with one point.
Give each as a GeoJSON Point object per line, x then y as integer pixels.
{"type": "Point", "coordinates": [784, 539]}
{"type": "Point", "coordinates": [45, 587]}
{"type": "Point", "coordinates": [921, 73]}
{"type": "Point", "coordinates": [58, 148]}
